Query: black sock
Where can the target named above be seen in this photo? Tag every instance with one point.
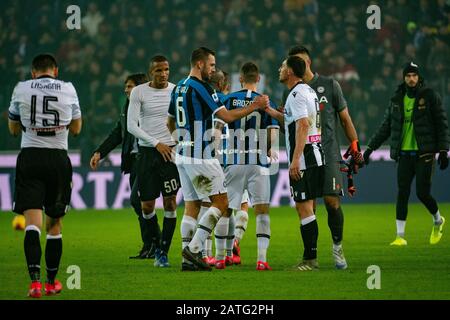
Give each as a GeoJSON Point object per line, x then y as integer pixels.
{"type": "Point", "coordinates": [33, 252]}
{"type": "Point", "coordinates": [53, 252]}
{"type": "Point", "coordinates": [336, 224]}
{"type": "Point", "coordinates": [154, 232]}
{"type": "Point", "coordinates": [310, 233]}
{"type": "Point", "coordinates": [169, 225]}
{"type": "Point", "coordinates": [146, 240]}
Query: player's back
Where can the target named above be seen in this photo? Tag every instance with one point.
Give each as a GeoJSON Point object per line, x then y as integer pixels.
{"type": "Point", "coordinates": [245, 137]}
{"type": "Point", "coordinates": [45, 107]}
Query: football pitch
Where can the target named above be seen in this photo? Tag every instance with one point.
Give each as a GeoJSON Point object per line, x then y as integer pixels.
{"type": "Point", "coordinates": [100, 242]}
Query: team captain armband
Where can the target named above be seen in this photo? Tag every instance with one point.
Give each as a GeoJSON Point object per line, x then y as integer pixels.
{"type": "Point", "coordinates": [315, 138]}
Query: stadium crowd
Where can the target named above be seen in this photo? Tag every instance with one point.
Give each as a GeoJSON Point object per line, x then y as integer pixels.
{"type": "Point", "coordinates": [118, 38]}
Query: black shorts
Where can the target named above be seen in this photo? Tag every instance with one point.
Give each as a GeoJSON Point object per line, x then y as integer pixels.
{"type": "Point", "coordinates": [333, 179]}
{"type": "Point", "coordinates": [310, 186]}
{"type": "Point", "coordinates": [156, 176]}
{"type": "Point", "coordinates": [43, 181]}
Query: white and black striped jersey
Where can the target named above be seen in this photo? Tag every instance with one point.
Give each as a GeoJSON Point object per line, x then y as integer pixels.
{"type": "Point", "coordinates": [301, 103]}
{"type": "Point", "coordinates": [45, 107]}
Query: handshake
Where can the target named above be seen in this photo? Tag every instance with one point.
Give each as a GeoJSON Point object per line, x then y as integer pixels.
{"type": "Point", "coordinates": [261, 102]}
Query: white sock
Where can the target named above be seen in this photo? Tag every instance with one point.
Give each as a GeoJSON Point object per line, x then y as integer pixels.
{"type": "Point", "coordinates": [400, 227]}
{"type": "Point", "coordinates": [307, 220]}
{"type": "Point", "coordinates": [187, 229]}
{"type": "Point", "coordinates": [437, 218]}
{"type": "Point", "coordinates": [170, 214]}
{"type": "Point", "coordinates": [221, 233]}
{"type": "Point", "coordinates": [208, 247]}
{"type": "Point", "coordinates": [230, 236]}
{"type": "Point", "coordinates": [148, 216]}
{"type": "Point", "coordinates": [204, 229]}
{"type": "Point", "coordinates": [201, 213]}
{"type": "Point", "coordinates": [240, 225]}
{"type": "Point", "coordinates": [263, 235]}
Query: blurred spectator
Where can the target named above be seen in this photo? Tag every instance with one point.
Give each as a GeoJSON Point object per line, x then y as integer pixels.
{"type": "Point", "coordinates": [117, 38]}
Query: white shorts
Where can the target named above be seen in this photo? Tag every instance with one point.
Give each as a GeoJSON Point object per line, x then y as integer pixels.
{"type": "Point", "coordinates": [200, 178]}
{"type": "Point", "coordinates": [244, 198]}
{"type": "Point", "coordinates": [253, 178]}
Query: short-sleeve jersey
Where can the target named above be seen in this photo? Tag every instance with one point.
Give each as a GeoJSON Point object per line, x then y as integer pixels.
{"type": "Point", "coordinates": [302, 103]}
{"type": "Point", "coordinates": [45, 107]}
{"type": "Point", "coordinates": [193, 105]}
{"type": "Point", "coordinates": [248, 136]}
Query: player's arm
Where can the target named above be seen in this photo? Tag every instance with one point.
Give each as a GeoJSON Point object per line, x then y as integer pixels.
{"type": "Point", "coordinates": [276, 114]}
{"type": "Point", "coordinates": [340, 105]}
{"type": "Point", "coordinates": [259, 103]}
{"type": "Point", "coordinates": [350, 132]}
{"type": "Point", "coordinates": [113, 140]}
{"type": "Point", "coordinates": [75, 127]}
{"type": "Point", "coordinates": [272, 142]}
{"type": "Point", "coordinates": [383, 132]}
{"type": "Point", "coordinates": [14, 127]}
{"type": "Point", "coordinates": [301, 133]}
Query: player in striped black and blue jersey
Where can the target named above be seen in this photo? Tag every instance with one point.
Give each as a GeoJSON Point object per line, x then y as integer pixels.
{"type": "Point", "coordinates": [193, 104]}
{"type": "Point", "coordinates": [247, 164]}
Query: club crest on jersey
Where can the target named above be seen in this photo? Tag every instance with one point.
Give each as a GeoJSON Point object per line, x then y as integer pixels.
{"type": "Point", "coordinates": [294, 93]}
{"type": "Point", "coordinates": [320, 89]}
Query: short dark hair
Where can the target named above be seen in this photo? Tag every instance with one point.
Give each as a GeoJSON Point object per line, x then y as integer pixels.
{"type": "Point", "coordinates": [43, 62]}
{"type": "Point", "coordinates": [250, 72]}
{"type": "Point", "coordinates": [137, 78]}
{"type": "Point", "coordinates": [157, 58]}
{"type": "Point", "coordinates": [299, 49]}
{"type": "Point", "coordinates": [297, 65]}
{"type": "Point", "coordinates": [201, 54]}
{"type": "Point", "coordinates": [216, 77]}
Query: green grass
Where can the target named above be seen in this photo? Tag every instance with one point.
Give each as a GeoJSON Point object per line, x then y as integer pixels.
{"type": "Point", "coordinates": [99, 242]}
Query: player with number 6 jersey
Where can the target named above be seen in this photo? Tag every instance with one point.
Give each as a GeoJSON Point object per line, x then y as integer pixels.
{"type": "Point", "coordinates": [192, 107]}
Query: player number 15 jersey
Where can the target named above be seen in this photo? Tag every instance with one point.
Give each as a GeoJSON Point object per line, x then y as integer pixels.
{"type": "Point", "coordinates": [45, 107]}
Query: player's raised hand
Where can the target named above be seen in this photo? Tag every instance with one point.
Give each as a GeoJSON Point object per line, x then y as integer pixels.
{"type": "Point", "coordinates": [165, 151]}
{"type": "Point", "coordinates": [95, 160]}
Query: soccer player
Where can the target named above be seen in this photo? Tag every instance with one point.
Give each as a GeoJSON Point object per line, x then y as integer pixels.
{"type": "Point", "coordinates": [246, 165]}
{"type": "Point", "coordinates": [306, 160]}
{"type": "Point", "coordinates": [156, 171]}
{"type": "Point", "coordinates": [219, 81]}
{"type": "Point", "coordinates": [333, 109]}
{"type": "Point", "coordinates": [193, 106]}
{"type": "Point", "coordinates": [120, 135]}
{"type": "Point", "coordinates": [45, 110]}
{"type": "Point", "coordinates": [417, 124]}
